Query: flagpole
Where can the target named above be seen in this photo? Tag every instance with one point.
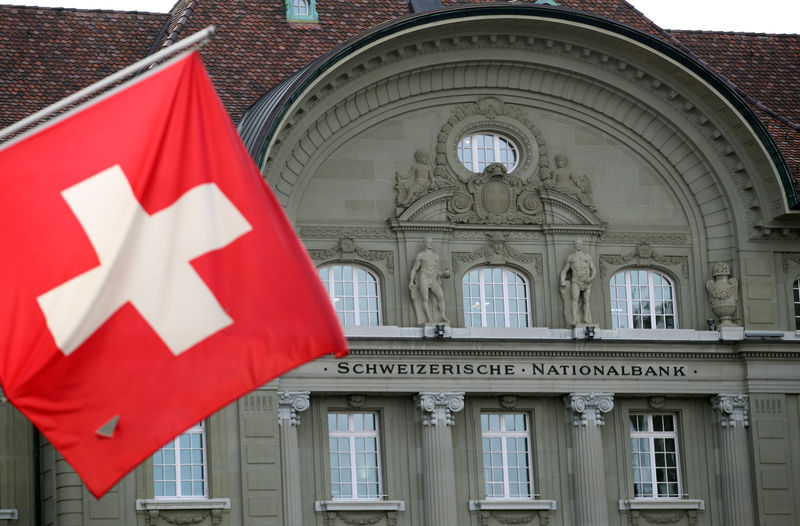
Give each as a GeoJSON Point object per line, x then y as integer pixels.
{"type": "Point", "coordinates": [199, 38]}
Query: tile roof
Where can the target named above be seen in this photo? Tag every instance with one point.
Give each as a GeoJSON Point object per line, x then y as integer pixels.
{"type": "Point", "coordinates": [765, 70]}
{"type": "Point", "coordinates": [47, 54]}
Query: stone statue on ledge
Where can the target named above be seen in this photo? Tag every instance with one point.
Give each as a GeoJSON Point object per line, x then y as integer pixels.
{"type": "Point", "coordinates": [425, 282]}
{"type": "Point", "coordinates": [576, 286]}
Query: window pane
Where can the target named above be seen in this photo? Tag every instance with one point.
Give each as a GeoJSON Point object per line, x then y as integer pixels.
{"type": "Point", "coordinates": [642, 299]}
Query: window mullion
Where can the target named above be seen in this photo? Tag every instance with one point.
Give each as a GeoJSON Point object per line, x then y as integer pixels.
{"type": "Point", "coordinates": [506, 307]}
{"type": "Point", "coordinates": [482, 283]}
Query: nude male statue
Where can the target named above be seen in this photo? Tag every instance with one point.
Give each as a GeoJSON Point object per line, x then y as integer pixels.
{"type": "Point", "coordinates": [582, 270]}
{"type": "Point", "coordinates": [425, 280]}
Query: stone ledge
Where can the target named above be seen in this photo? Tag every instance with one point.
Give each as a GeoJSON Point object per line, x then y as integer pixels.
{"type": "Point", "coordinates": [9, 515]}
{"type": "Point", "coordinates": [511, 505]}
{"type": "Point", "coordinates": [359, 505]}
{"type": "Point", "coordinates": [662, 504]}
{"type": "Point", "coordinates": [182, 504]}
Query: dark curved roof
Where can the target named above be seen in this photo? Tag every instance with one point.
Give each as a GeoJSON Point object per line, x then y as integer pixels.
{"type": "Point", "coordinates": [259, 122]}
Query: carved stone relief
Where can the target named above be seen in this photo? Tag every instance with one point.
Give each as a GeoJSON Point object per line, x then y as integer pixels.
{"type": "Point", "coordinates": [346, 249]}
{"type": "Point", "coordinates": [495, 197]}
{"type": "Point", "coordinates": [515, 518]}
{"type": "Point", "coordinates": [565, 180]}
{"type": "Point", "coordinates": [643, 254]}
{"type": "Point", "coordinates": [790, 258]}
{"type": "Point", "coordinates": [416, 183]}
{"type": "Point", "coordinates": [497, 252]}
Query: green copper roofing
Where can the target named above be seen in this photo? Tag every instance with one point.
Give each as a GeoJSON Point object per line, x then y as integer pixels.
{"type": "Point", "coordinates": [260, 121]}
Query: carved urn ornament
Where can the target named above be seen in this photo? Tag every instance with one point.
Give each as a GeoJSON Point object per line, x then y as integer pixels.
{"type": "Point", "coordinates": [722, 293]}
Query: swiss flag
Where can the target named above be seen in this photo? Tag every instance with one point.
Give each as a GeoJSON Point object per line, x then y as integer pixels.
{"type": "Point", "coordinates": [149, 276]}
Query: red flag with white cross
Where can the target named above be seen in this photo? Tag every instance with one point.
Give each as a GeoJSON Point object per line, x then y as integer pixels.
{"type": "Point", "coordinates": [149, 276]}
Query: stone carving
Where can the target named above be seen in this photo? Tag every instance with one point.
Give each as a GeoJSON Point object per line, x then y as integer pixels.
{"type": "Point", "coordinates": [425, 281]}
{"type": "Point", "coordinates": [587, 407]}
{"type": "Point", "coordinates": [793, 258]}
{"type": "Point", "coordinates": [495, 197]}
{"type": "Point", "coordinates": [564, 179]}
{"type": "Point", "coordinates": [439, 407]}
{"type": "Point", "coordinates": [153, 517]}
{"type": "Point", "coordinates": [356, 401]}
{"type": "Point", "coordinates": [636, 237]}
{"type": "Point", "coordinates": [512, 518]}
{"type": "Point", "coordinates": [651, 518]}
{"type": "Point", "coordinates": [416, 183]}
{"type": "Point", "coordinates": [346, 249]}
{"type": "Point", "coordinates": [731, 408]}
{"type": "Point", "coordinates": [496, 252]}
{"type": "Point", "coordinates": [290, 403]}
{"type": "Point", "coordinates": [643, 254]}
{"type": "Point", "coordinates": [473, 235]}
{"type": "Point", "coordinates": [331, 231]}
{"type": "Point", "coordinates": [576, 286]}
{"type": "Point", "coordinates": [508, 401]}
{"type": "Point", "coordinates": [723, 294]}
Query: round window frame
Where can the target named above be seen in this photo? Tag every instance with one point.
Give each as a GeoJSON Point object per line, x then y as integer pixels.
{"type": "Point", "coordinates": [469, 119]}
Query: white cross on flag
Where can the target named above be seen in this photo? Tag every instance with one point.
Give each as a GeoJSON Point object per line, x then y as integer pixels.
{"type": "Point", "coordinates": [149, 276]}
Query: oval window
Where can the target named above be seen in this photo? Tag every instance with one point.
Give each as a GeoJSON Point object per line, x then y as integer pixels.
{"type": "Point", "coordinates": [478, 150]}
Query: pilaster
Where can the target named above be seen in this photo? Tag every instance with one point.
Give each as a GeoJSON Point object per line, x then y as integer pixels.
{"type": "Point", "coordinates": [586, 411]}
{"type": "Point", "coordinates": [732, 413]}
{"type": "Point", "coordinates": [290, 404]}
{"type": "Point", "coordinates": [436, 412]}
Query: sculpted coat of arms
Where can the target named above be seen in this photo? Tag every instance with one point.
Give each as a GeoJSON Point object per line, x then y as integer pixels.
{"type": "Point", "coordinates": [495, 197]}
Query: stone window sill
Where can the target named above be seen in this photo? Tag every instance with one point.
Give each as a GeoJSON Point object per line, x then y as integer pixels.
{"type": "Point", "coordinates": [9, 515]}
{"type": "Point", "coordinates": [359, 505]}
{"type": "Point", "coordinates": [661, 504]}
{"type": "Point", "coordinates": [182, 504]}
{"type": "Point", "coordinates": [511, 505]}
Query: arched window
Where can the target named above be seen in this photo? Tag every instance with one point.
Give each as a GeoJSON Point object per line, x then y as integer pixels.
{"type": "Point", "coordinates": [642, 299]}
{"type": "Point", "coordinates": [796, 293]}
{"type": "Point", "coordinates": [354, 291]}
{"type": "Point", "coordinates": [478, 150]}
{"type": "Point", "coordinates": [495, 297]}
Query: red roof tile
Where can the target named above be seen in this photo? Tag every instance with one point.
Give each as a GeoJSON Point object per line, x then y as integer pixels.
{"type": "Point", "coordinates": [765, 69]}
{"type": "Point", "coordinates": [47, 54]}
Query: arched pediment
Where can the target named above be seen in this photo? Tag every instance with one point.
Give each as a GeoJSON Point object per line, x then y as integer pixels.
{"type": "Point", "coordinates": [662, 127]}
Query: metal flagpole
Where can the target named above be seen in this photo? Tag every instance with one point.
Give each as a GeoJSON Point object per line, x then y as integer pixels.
{"type": "Point", "coordinates": [197, 39]}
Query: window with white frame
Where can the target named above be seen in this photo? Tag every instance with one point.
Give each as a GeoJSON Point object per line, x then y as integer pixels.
{"type": "Point", "coordinates": [507, 469]}
{"type": "Point", "coordinates": [495, 297]}
{"type": "Point", "coordinates": [179, 468]}
{"type": "Point", "coordinates": [301, 10]}
{"type": "Point", "coordinates": [478, 150]}
{"type": "Point", "coordinates": [796, 294]}
{"type": "Point", "coordinates": [642, 299]}
{"type": "Point", "coordinates": [655, 460]}
{"type": "Point", "coordinates": [354, 447]}
{"type": "Point", "coordinates": [354, 292]}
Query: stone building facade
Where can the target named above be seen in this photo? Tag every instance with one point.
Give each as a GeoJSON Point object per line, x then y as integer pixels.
{"type": "Point", "coordinates": [566, 254]}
